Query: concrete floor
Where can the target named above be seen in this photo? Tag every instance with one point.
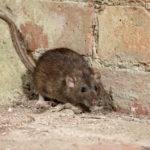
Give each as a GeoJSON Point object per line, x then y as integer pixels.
{"type": "Point", "coordinates": [22, 129]}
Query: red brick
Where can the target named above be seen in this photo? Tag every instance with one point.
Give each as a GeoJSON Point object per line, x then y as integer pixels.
{"type": "Point", "coordinates": [34, 36]}
{"type": "Point", "coordinates": [124, 32]}
{"type": "Point", "coordinates": [130, 90]}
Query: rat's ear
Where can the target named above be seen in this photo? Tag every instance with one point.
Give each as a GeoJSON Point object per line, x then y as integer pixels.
{"type": "Point", "coordinates": [70, 81]}
{"type": "Point", "coordinates": [97, 75]}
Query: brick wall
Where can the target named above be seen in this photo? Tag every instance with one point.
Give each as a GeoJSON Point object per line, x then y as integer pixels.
{"type": "Point", "coordinates": [114, 33]}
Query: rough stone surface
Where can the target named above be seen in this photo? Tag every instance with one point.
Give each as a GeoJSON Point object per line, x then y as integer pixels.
{"type": "Point", "coordinates": [130, 90]}
{"type": "Point", "coordinates": [21, 129]}
{"type": "Point", "coordinates": [124, 34]}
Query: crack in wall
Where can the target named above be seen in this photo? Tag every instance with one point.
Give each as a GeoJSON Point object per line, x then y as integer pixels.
{"type": "Point", "coordinates": [95, 26]}
{"type": "Point", "coordinates": [109, 2]}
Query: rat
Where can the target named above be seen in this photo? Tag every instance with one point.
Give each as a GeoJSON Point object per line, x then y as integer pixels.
{"type": "Point", "coordinates": [60, 73]}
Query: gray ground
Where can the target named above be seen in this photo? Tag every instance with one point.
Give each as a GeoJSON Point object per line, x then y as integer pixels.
{"type": "Point", "coordinates": [22, 129]}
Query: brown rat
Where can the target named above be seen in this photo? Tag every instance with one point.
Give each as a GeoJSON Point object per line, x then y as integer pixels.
{"type": "Point", "coordinates": [60, 74]}
{"type": "Point", "coordinates": [64, 75]}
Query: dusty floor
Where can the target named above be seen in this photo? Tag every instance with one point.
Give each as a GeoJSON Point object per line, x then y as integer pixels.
{"type": "Point", "coordinates": [22, 129]}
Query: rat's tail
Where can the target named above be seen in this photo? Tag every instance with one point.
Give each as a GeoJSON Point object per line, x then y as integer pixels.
{"type": "Point", "coordinates": [17, 42]}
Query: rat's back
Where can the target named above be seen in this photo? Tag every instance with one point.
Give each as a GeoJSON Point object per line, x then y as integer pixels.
{"type": "Point", "coordinates": [52, 68]}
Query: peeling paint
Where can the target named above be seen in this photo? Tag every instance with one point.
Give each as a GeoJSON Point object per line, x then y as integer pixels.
{"type": "Point", "coordinates": [33, 35]}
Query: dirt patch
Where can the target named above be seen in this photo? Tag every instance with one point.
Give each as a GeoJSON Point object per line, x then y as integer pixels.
{"type": "Point", "coordinates": [22, 129]}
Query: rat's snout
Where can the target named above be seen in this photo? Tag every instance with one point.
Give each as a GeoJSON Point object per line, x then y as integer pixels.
{"type": "Point", "coordinates": [93, 101]}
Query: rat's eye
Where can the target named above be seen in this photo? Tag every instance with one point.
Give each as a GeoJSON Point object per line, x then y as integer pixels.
{"type": "Point", "coordinates": [95, 88]}
{"type": "Point", "coordinates": [83, 89]}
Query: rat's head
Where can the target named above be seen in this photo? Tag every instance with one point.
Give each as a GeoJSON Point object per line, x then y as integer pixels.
{"type": "Point", "coordinates": [82, 87]}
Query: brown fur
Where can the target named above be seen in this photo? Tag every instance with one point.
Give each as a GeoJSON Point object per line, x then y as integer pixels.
{"type": "Point", "coordinates": [50, 77]}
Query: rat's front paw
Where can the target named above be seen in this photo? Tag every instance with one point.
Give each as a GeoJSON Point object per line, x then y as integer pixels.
{"type": "Point", "coordinates": [60, 107]}
{"type": "Point", "coordinates": [75, 109]}
{"type": "Point", "coordinates": [41, 106]}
